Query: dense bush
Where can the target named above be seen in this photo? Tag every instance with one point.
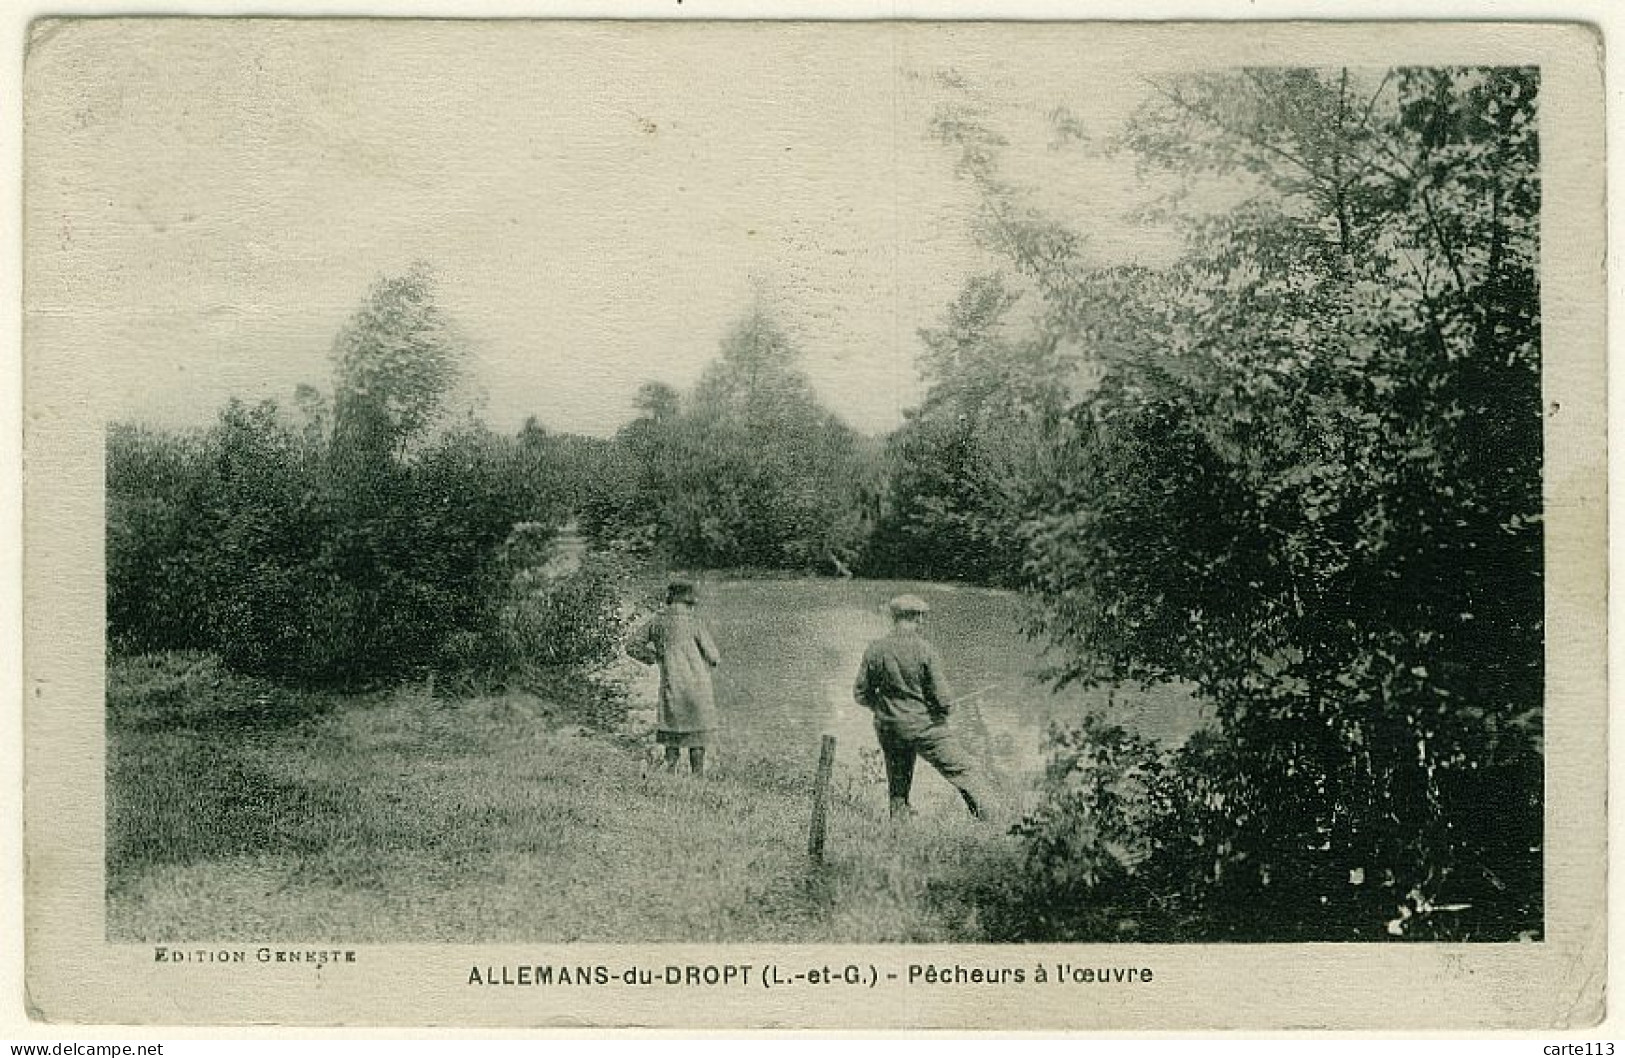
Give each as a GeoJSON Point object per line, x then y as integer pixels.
{"type": "Point", "coordinates": [341, 550]}
{"type": "Point", "coordinates": [159, 488]}
{"type": "Point", "coordinates": [566, 618]}
{"type": "Point", "coordinates": [1132, 840]}
{"type": "Point", "coordinates": [247, 541]}
{"type": "Point", "coordinates": [1085, 842]}
{"type": "Point", "coordinates": [562, 628]}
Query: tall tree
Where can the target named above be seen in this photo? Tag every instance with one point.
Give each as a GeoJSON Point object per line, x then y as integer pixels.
{"type": "Point", "coordinates": [966, 462]}
{"type": "Point", "coordinates": [1309, 485]}
{"type": "Point", "coordinates": [658, 402]}
{"type": "Point", "coordinates": [756, 380]}
{"type": "Point", "coordinates": [748, 469]}
{"type": "Point", "coordinates": [395, 362]}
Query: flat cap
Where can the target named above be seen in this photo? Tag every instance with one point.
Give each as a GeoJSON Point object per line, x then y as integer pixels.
{"type": "Point", "coordinates": [908, 604]}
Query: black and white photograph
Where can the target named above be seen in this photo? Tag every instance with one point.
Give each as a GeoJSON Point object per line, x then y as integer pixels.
{"type": "Point", "coordinates": [1078, 498]}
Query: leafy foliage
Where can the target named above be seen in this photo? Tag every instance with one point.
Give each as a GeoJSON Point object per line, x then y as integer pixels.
{"type": "Point", "coordinates": [395, 362]}
{"type": "Point", "coordinates": [372, 550]}
{"type": "Point", "coordinates": [1309, 485]}
{"type": "Point", "coordinates": [965, 464]}
{"type": "Point", "coordinates": [568, 619]}
{"type": "Point", "coordinates": [749, 470]}
{"type": "Point", "coordinates": [158, 487]}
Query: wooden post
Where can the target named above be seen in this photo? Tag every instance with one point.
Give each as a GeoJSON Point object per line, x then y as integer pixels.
{"type": "Point", "coordinates": [820, 808]}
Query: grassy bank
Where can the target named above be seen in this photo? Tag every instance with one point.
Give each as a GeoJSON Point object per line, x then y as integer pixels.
{"type": "Point", "coordinates": [240, 811]}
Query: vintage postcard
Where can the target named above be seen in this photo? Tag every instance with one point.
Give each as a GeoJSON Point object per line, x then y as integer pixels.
{"type": "Point", "coordinates": [795, 525]}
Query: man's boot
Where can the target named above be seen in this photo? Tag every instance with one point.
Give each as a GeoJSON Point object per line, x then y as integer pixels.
{"type": "Point", "coordinates": [976, 802]}
{"type": "Point", "coordinates": [696, 761]}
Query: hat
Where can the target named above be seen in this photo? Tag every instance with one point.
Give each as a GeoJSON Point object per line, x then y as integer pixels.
{"type": "Point", "coordinates": [908, 606]}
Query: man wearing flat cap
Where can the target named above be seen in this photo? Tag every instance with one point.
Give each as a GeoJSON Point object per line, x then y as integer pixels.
{"type": "Point", "coordinates": [901, 683]}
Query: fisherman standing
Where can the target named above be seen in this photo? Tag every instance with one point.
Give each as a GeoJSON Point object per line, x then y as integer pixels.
{"type": "Point", "coordinates": [901, 683]}
{"type": "Point", "coordinates": [679, 643]}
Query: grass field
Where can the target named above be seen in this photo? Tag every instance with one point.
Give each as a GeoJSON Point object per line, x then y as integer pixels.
{"type": "Point", "coordinates": [237, 810]}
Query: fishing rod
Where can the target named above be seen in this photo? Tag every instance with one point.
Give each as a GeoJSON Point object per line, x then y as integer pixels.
{"type": "Point", "coordinates": [979, 692]}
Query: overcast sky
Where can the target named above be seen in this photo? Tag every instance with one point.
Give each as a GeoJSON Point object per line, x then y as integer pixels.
{"type": "Point", "coordinates": [208, 201]}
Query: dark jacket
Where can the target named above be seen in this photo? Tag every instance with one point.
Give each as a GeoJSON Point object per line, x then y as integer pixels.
{"type": "Point", "coordinates": [901, 682]}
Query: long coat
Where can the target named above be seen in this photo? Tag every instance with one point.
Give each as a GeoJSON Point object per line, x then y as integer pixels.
{"type": "Point", "coordinates": [685, 652]}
